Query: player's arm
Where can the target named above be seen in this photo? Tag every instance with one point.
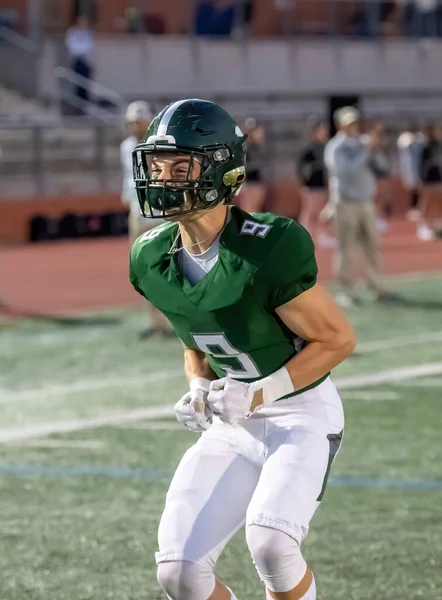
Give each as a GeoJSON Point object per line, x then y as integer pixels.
{"type": "Point", "coordinates": [196, 365]}
{"type": "Point", "coordinates": [192, 409]}
{"type": "Point", "coordinates": [290, 278]}
{"type": "Point", "coordinates": [315, 317]}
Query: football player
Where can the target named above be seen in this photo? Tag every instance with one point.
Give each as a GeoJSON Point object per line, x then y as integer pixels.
{"type": "Point", "coordinates": [260, 337]}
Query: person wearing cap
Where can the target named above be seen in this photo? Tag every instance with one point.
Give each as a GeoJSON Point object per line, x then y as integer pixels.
{"type": "Point", "coordinates": [352, 191]}
{"type": "Point", "coordinates": [138, 118]}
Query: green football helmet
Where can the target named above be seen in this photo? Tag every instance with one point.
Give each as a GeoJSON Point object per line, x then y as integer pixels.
{"type": "Point", "coordinates": [200, 131]}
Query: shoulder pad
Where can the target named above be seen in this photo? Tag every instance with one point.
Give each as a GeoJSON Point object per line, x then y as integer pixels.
{"type": "Point", "coordinates": [152, 246]}
{"type": "Point", "coordinates": [253, 236]}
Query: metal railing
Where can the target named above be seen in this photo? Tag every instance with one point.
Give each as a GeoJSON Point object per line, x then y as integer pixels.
{"type": "Point", "coordinates": [18, 64]}
{"type": "Point", "coordinates": [69, 80]}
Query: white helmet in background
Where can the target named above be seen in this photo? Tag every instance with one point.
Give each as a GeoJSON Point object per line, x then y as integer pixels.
{"type": "Point", "coordinates": [139, 111]}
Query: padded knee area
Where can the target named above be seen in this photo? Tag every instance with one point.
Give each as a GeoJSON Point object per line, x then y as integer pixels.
{"type": "Point", "coordinates": [277, 558]}
{"type": "Point", "coordinates": [182, 580]}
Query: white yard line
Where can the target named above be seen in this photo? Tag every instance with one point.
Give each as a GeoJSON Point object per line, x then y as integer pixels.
{"type": "Point", "coordinates": [400, 341]}
{"type": "Point", "coordinates": [434, 382]}
{"type": "Point", "coordinates": [11, 397]}
{"type": "Point", "coordinates": [149, 425]}
{"type": "Point", "coordinates": [375, 396]}
{"type": "Point", "coordinates": [388, 376]}
{"type": "Point", "coordinates": [117, 418]}
{"type": "Point", "coordinates": [72, 444]}
{"type": "Point", "coordinates": [43, 393]}
{"type": "Point", "coordinates": [155, 412]}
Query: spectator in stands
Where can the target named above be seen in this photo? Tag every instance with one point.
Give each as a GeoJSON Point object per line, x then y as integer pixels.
{"type": "Point", "coordinates": [352, 187]}
{"type": "Point", "coordinates": [421, 18]}
{"type": "Point", "coordinates": [253, 194]}
{"type": "Point", "coordinates": [313, 179]}
{"type": "Point", "coordinates": [286, 11]}
{"type": "Point", "coordinates": [133, 20]}
{"type": "Point", "coordinates": [80, 45]}
{"type": "Point", "coordinates": [85, 8]}
{"type": "Point", "coordinates": [219, 17]}
{"type": "Point", "coordinates": [373, 18]}
{"type": "Point", "coordinates": [138, 117]}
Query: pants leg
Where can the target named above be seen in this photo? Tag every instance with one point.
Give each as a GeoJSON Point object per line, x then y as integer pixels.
{"type": "Point", "coordinates": [370, 246]}
{"type": "Point", "coordinates": [83, 68]}
{"type": "Point", "coordinates": [300, 447]}
{"type": "Point", "coordinates": [205, 506]}
{"type": "Point", "coordinates": [346, 227]}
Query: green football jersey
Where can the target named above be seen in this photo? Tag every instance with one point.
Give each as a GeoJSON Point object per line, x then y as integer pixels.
{"type": "Point", "coordinates": [264, 261]}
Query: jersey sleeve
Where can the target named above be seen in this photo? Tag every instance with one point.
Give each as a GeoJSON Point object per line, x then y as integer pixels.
{"type": "Point", "coordinates": [291, 267]}
{"type": "Point", "coordinates": [134, 268]}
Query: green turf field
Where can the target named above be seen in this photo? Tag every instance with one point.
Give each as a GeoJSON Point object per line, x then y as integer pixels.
{"type": "Point", "coordinates": [88, 445]}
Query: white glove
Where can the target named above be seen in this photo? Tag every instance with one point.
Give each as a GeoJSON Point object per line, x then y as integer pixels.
{"type": "Point", "coordinates": [230, 399]}
{"type": "Point", "coordinates": [234, 400]}
{"type": "Point", "coordinates": [192, 410]}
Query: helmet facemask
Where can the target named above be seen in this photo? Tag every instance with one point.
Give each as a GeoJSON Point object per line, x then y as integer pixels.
{"type": "Point", "coordinates": [169, 197]}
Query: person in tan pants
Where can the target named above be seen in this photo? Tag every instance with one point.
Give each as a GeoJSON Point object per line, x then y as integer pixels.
{"type": "Point", "coordinates": [138, 117]}
{"type": "Point", "coordinates": [352, 186]}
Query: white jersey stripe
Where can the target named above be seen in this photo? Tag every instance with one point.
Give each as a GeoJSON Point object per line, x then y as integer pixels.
{"type": "Point", "coordinates": [166, 118]}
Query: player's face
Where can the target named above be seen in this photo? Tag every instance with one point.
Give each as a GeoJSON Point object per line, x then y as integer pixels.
{"type": "Point", "coordinates": [174, 170]}
{"type": "Point", "coordinates": [322, 133]}
{"type": "Point", "coordinates": [352, 129]}
{"type": "Point", "coordinates": [175, 167]}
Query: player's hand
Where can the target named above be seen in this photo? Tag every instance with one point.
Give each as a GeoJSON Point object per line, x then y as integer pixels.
{"type": "Point", "coordinates": [193, 412]}
{"type": "Point", "coordinates": [231, 400]}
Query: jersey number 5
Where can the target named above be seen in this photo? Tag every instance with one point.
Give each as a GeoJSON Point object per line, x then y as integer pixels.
{"type": "Point", "coordinates": [218, 346]}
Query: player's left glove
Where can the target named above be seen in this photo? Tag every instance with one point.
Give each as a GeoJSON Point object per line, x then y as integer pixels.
{"type": "Point", "coordinates": [234, 400]}
{"type": "Point", "coordinates": [230, 399]}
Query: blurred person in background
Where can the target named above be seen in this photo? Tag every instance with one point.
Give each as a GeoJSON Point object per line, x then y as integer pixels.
{"type": "Point", "coordinates": [313, 179]}
{"type": "Point", "coordinates": [222, 17]}
{"type": "Point", "coordinates": [421, 18]}
{"type": "Point", "coordinates": [138, 118]}
{"type": "Point", "coordinates": [431, 177]}
{"type": "Point", "coordinates": [410, 145]}
{"type": "Point", "coordinates": [352, 188]}
{"type": "Point", "coordinates": [380, 165]}
{"type": "Point", "coordinates": [80, 45]}
{"type": "Point", "coordinates": [254, 191]}
{"type": "Point", "coordinates": [84, 8]}
{"type": "Point", "coordinates": [133, 20]}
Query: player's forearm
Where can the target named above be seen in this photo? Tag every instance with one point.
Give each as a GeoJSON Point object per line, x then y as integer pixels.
{"type": "Point", "coordinates": [304, 369]}
{"type": "Point", "coordinates": [196, 365]}
{"type": "Point", "coordinates": [317, 359]}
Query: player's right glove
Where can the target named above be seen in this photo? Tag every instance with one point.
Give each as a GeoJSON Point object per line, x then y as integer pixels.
{"type": "Point", "coordinates": [192, 410]}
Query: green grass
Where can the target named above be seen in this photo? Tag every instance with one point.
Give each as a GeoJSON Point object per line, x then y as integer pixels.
{"type": "Point", "coordinates": [69, 536]}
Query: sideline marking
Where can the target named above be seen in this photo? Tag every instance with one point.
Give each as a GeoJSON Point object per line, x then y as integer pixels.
{"type": "Point", "coordinates": [164, 475]}
{"type": "Point", "coordinates": [155, 412]}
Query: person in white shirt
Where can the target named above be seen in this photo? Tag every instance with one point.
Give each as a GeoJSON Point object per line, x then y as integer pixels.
{"type": "Point", "coordinates": [80, 44]}
{"type": "Point", "coordinates": [138, 118]}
